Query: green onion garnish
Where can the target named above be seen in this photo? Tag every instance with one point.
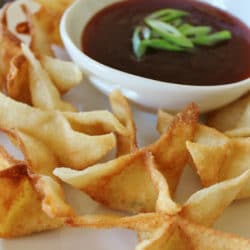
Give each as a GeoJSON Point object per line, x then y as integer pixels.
{"type": "Point", "coordinates": [213, 39]}
{"type": "Point", "coordinates": [167, 15]}
{"type": "Point", "coordinates": [138, 48]}
{"type": "Point", "coordinates": [167, 29]}
{"type": "Point", "coordinates": [146, 32]}
{"type": "Point", "coordinates": [162, 44]}
{"type": "Point", "coordinates": [169, 32]}
{"type": "Point", "coordinates": [177, 22]}
{"type": "Point", "coordinates": [189, 30]}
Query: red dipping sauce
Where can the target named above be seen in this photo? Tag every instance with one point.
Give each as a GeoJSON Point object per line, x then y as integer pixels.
{"type": "Point", "coordinates": [107, 39]}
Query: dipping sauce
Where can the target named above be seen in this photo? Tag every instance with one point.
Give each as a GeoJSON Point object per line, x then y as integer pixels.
{"type": "Point", "coordinates": [107, 39]}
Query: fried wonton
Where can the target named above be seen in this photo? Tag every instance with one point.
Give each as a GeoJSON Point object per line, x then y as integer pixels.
{"type": "Point", "coordinates": [30, 80]}
{"type": "Point", "coordinates": [203, 134]}
{"type": "Point", "coordinates": [50, 16]}
{"type": "Point", "coordinates": [44, 94]}
{"type": "Point", "coordinates": [125, 183]}
{"type": "Point", "coordinates": [21, 204]}
{"type": "Point", "coordinates": [39, 30]}
{"type": "Point", "coordinates": [37, 155]}
{"type": "Point", "coordinates": [9, 47]}
{"type": "Point", "coordinates": [215, 156]}
{"type": "Point", "coordinates": [121, 109]}
{"type": "Point", "coordinates": [71, 147]}
{"type": "Point", "coordinates": [233, 119]}
{"type": "Point", "coordinates": [37, 79]}
{"type": "Point", "coordinates": [17, 82]}
{"type": "Point", "coordinates": [65, 75]}
{"type": "Point", "coordinates": [215, 163]}
{"type": "Point", "coordinates": [179, 227]}
{"type": "Point", "coordinates": [28, 201]}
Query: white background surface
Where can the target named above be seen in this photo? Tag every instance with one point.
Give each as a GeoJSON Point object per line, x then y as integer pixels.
{"type": "Point", "coordinates": [86, 98]}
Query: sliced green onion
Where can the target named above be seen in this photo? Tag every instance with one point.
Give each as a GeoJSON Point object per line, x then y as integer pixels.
{"type": "Point", "coordinates": [209, 40]}
{"type": "Point", "coordinates": [184, 27]}
{"type": "Point", "coordinates": [169, 32]}
{"type": "Point", "coordinates": [146, 32]}
{"type": "Point", "coordinates": [162, 44]}
{"type": "Point", "coordinates": [189, 30]}
{"type": "Point", "coordinates": [171, 17]}
{"type": "Point", "coordinates": [165, 29]}
{"type": "Point", "coordinates": [162, 27]}
{"type": "Point", "coordinates": [167, 14]}
{"type": "Point", "coordinates": [177, 22]}
{"type": "Point", "coordinates": [155, 34]}
{"type": "Point", "coordinates": [138, 48]}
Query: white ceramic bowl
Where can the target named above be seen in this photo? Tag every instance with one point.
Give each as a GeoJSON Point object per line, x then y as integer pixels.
{"type": "Point", "coordinates": [146, 92]}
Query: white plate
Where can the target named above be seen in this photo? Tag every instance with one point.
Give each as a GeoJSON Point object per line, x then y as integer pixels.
{"type": "Point", "coordinates": [85, 98]}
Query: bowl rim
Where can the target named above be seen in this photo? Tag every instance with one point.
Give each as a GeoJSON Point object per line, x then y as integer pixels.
{"type": "Point", "coordinates": [68, 39]}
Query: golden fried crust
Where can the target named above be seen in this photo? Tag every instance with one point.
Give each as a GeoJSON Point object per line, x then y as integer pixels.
{"type": "Point", "coordinates": [9, 47]}
{"type": "Point", "coordinates": [20, 205]}
{"type": "Point", "coordinates": [17, 79]}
